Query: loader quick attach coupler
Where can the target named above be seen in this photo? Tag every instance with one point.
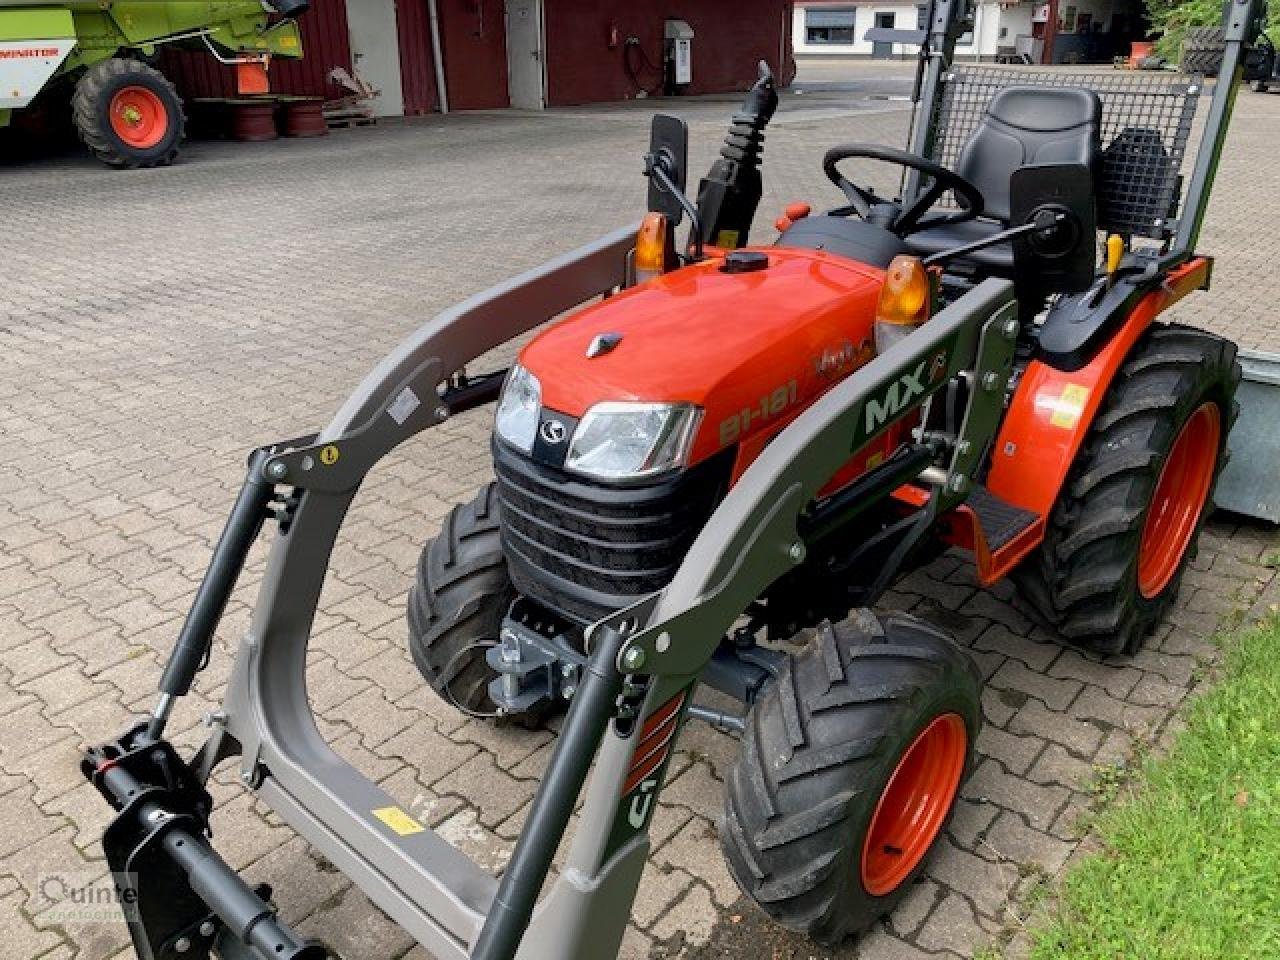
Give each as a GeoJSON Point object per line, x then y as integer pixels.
{"type": "Point", "coordinates": [180, 898]}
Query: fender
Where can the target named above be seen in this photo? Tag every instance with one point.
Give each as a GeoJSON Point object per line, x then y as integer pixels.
{"type": "Point", "coordinates": [1052, 410]}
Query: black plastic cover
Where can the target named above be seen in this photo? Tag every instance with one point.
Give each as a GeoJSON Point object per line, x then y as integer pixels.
{"type": "Point", "coordinates": [848, 237]}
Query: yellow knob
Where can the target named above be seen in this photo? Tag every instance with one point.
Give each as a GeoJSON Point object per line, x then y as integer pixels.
{"type": "Point", "coordinates": [1115, 250]}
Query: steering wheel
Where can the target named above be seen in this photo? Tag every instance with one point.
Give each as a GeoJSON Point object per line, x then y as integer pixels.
{"type": "Point", "coordinates": [903, 222]}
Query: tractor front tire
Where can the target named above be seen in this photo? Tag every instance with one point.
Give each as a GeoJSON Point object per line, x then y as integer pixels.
{"type": "Point", "coordinates": [1129, 515]}
{"type": "Point", "coordinates": [849, 770]}
{"type": "Point", "coordinates": [128, 114]}
{"type": "Point", "coordinates": [456, 607]}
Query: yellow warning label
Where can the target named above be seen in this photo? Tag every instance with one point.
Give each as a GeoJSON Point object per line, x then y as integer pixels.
{"type": "Point", "coordinates": [1068, 407]}
{"type": "Point", "coordinates": [399, 821]}
{"type": "Point", "coordinates": [329, 455]}
{"type": "Point", "coordinates": [288, 42]}
{"type": "Point", "coordinates": [727, 239]}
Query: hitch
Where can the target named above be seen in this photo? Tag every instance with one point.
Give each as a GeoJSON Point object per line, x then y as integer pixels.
{"type": "Point", "coordinates": [180, 897]}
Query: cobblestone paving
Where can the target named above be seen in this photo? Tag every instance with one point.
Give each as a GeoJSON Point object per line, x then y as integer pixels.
{"type": "Point", "coordinates": [156, 325]}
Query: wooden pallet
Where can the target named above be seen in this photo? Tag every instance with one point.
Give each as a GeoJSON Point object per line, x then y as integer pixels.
{"type": "Point", "coordinates": [341, 122]}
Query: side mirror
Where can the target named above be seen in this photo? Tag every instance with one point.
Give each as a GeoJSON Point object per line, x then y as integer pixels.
{"type": "Point", "coordinates": [1063, 257]}
{"type": "Point", "coordinates": [669, 151]}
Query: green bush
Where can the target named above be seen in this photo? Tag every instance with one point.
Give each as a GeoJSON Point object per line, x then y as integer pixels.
{"type": "Point", "coordinates": [1171, 18]}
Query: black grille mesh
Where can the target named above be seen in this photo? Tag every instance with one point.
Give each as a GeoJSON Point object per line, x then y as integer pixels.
{"type": "Point", "coordinates": [1146, 124]}
{"type": "Point", "coordinates": [588, 549]}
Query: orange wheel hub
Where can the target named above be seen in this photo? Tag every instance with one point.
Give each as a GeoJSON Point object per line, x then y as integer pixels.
{"type": "Point", "coordinates": [138, 117]}
{"type": "Point", "coordinates": [914, 804]}
{"type": "Point", "coordinates": [1179, 498]}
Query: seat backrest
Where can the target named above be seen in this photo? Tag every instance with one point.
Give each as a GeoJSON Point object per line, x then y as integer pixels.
{"type": "Point", "coordinates": [1026, 125]}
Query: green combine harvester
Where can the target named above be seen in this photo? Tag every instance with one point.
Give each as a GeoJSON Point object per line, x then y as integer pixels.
{"type": "Point", "coordinates": [100, 52]}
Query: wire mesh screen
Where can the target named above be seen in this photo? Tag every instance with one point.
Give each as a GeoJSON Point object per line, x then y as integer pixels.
{"type": "Point", "coordinates": [1146, 125]}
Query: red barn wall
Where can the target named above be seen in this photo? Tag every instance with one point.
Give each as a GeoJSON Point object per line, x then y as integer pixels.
{"type": "Point", "coordinates": [731, 37]}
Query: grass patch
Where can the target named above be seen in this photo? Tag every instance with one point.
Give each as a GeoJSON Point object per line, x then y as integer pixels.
{"type": "Point", "coordinates": [1190, 868]}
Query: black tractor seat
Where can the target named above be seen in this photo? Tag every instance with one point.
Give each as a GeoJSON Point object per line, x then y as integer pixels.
{"type": "Point", "coordinates": [1022, 126]}
{"type": "Point", "coordinates": [846, 236]}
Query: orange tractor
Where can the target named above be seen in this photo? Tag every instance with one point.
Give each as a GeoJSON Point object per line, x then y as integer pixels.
{"type": "Point", "coordinates": [708, 476]}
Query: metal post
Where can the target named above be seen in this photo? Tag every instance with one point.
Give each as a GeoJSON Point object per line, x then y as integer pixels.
{"type": "Point", "coordinates": [589, 715]}
{"type": "Point", "coordinates": [188, 654]}
{"type": "Point", "coordinates": [941, 47]}
{"type": "Point", "coordinates": [1238, 26]}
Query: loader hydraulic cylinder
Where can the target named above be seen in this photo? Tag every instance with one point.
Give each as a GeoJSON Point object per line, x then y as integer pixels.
{"type": "Point", "coordinates": [589, 715]}
{"type": "Point", "coordinates": [215, 590]}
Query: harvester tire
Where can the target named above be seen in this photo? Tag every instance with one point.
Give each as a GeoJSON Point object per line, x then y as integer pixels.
{"type": "Point", "coordinates": [1202, 50]}
{"type": "Point", "coordinates": [128, 114]}
{"type": "Point", "coordinates": [456, 607]}
{"type": "Point", "coordinates": [849, 770]}
{"type": "Point", "coordinates": [1127, 521]}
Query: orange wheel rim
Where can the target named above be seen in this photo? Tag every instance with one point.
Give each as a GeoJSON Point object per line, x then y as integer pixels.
{"type": "Point", "coordinates": [138, 117]}
{"type": "Point", "coordinates": [1179, 498]}
{"type": "Point", "coordinates": [914, 804]}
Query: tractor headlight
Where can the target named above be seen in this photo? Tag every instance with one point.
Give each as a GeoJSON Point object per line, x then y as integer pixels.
{"type": "Point", "coordinates": [517, 418]}
{"type": "Point", "coordinates": [627, 441]}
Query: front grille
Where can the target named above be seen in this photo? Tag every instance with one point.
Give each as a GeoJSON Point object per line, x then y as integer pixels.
{"type": "Point", "coordinates": [586, 548]}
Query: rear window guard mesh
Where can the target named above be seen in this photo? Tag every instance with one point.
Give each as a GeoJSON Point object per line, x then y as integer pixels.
{"type": "Point", "coordinates": [1147, 122]}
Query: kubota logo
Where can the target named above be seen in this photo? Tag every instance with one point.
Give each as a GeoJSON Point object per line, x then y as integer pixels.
{"type": "Point", "coordinates": [553, 431]}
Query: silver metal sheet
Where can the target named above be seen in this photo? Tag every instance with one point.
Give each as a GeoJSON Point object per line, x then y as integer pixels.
{"type": "Point", "coordinates": [1250, 484]}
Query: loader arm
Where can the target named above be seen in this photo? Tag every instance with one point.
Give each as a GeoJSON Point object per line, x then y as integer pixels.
{"type": "Point", "coordinates": [446, 902]}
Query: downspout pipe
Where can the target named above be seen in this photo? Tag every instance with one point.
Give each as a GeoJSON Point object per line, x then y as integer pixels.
{"type": "Point", "coordinates": [437, 55]}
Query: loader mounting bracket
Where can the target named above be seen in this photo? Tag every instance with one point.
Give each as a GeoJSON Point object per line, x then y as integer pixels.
{"type": "Point", "coordinates": [166, 918]}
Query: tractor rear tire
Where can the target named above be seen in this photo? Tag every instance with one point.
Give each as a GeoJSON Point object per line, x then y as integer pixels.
{"type": "Point", "coordinates": [1202, 50]}
{"type": "Point", "coordinates": [1110, 567]}
{"type": "Point", "coordinates": [128, 114]}
{"type": "Point", "coordinates": [456, 607]}
{"type": "Point", "coordinates": [848, 773]}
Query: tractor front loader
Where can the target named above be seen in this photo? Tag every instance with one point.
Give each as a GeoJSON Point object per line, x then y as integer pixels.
{"type": "Point", "coordinates": [709, 473]}
{"type": "Point", "coordinates": [99, 53]}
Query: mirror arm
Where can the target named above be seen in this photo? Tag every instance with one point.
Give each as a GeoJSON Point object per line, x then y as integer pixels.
{"type": "Point", "coordinates": [1003, 236]}
{"type": "Point", "coordinates": [655, 168]}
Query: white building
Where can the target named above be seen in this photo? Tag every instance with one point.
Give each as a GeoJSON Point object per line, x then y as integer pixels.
{"type": "Point", "coordinates": [1083, 31]}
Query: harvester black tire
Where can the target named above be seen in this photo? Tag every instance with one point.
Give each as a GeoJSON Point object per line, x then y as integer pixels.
{"type": "Point", "coordinates": [820, 749]}
{"type": "Point", "coordinates": [456, 607]}
{"type": "Point", "coordinates": [155, 141]}
{"type": "Point", "coordinates": [1084, 579]}
{"type": "Point", "coordinates": [1202, 50]}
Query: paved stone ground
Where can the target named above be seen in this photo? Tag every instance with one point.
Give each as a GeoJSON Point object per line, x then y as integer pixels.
{"type": "Point", "coordinates": [156, 325]}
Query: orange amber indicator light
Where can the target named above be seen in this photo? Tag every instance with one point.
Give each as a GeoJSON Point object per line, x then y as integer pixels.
{"type": "Point", "coordinates": [904, 298]}
{"type": "Point", "coordinates": [651, 246]}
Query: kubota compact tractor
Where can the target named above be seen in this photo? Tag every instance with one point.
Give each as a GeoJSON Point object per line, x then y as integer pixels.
{"type": "Point", "coordinates": [708, 476]}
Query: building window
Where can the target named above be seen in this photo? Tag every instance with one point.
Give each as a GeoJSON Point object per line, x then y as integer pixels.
{"type": "Point", "coordinates": [829, 27]}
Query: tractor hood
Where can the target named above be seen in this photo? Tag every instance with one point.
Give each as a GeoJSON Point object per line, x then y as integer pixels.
{"type": "Point", "coordinates": [754, 347]}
